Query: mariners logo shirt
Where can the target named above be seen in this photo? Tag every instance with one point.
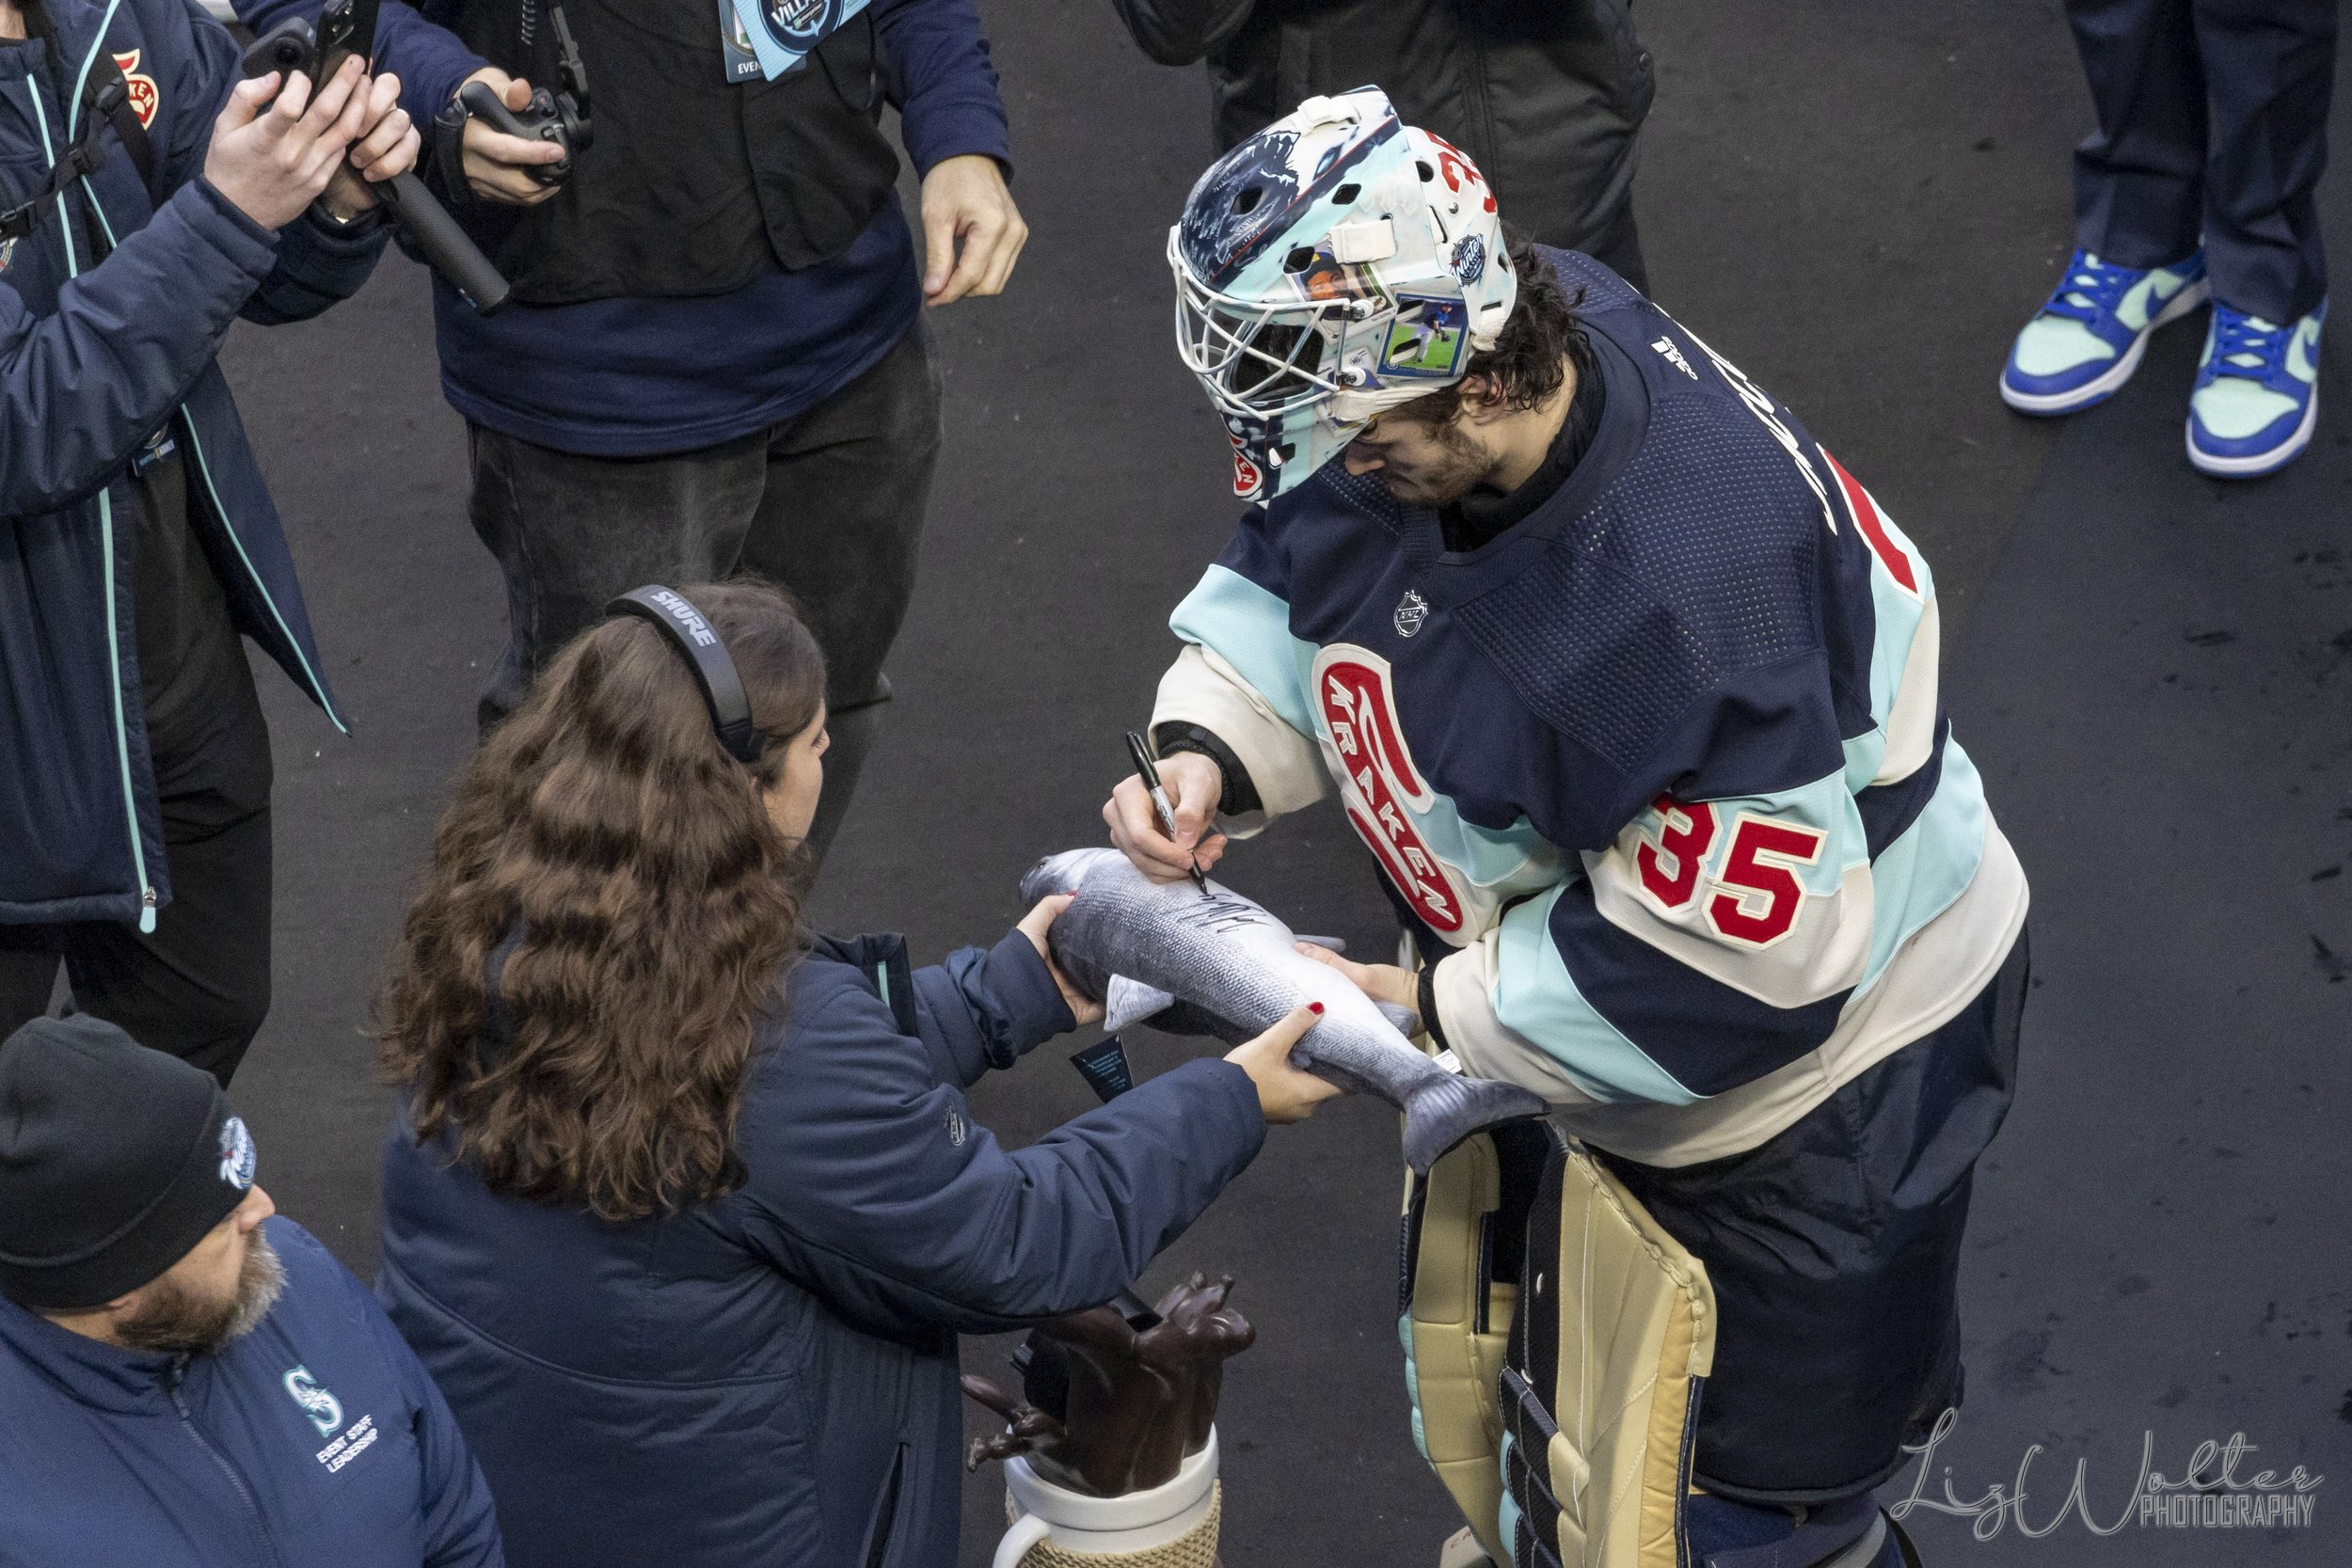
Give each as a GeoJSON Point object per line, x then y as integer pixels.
{"type": "Point", "coordinates": [1658, 777]}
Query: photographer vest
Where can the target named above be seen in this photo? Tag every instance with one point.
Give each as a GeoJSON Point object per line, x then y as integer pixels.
{"type": "Point", "coordinates": [693, 185]}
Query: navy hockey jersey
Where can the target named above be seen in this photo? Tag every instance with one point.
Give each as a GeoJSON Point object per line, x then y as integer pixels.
{"type": "Point", "coordinates": [1663, 766]}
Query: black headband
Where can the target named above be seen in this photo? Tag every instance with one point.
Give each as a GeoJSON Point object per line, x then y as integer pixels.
{"type": "Point", "coordinates": [714, 671]}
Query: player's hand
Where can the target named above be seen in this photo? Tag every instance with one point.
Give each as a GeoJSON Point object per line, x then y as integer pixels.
{"type": "Point", "coordinates": [1194, 786]}
{"type": "Point", "coordinates": [1286, 1093]}
{"type": "Point", "coordinates": [1034, 925]}
{"type": "Point", "coordinates": [972, 233]}
{"type": "Point", "coordinates": [385, 143]}
{"type": "Point", "coordinates": [1399, 988]}
{"type": "Point", "coordinates": [273, 159]}
{"type": "Point", "coordinates": [497, 165]}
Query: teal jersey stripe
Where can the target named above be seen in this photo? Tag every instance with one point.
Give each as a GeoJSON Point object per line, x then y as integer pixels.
{"type": "Point", "coordinates": [1930, 864]}
{"type": "Point", "coordinates": [1537, 999]}
{"type": "Point", "coordinates": [1249, 628]}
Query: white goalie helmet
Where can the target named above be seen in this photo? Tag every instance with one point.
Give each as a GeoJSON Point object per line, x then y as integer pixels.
{"type": "Point", "coordinates": [1335, 265]}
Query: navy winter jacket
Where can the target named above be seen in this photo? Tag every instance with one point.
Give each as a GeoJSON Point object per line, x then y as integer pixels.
{"type": "Point", "coordinates": [771, 1378]}
{"type": "Point", "coordinates": [315, 1439]}
{"type": "Point", "coordinates": [95, 356]}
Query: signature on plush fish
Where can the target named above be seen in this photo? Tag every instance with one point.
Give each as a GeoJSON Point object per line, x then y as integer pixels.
{"type": "Point", "coordinates": [1222, 965]}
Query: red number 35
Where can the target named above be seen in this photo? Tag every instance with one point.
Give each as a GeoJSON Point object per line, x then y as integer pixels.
{"type": "Point", "coordinates": [1758, 892]}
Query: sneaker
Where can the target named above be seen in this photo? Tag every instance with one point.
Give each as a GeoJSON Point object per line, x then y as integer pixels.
{"type": "Point", "coordinates": [2257, 393]}
{"type": "Point", "coordinates": [2086, 341]}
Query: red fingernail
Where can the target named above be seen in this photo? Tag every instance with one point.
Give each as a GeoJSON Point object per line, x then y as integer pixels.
{"type": "Point", "coordinates": [1314, 1006]}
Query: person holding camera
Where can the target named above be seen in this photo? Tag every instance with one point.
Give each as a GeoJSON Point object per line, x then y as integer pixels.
{"type": "Point", "coordinates": [685, 1207]}
{"type": "Point", "coordinates": [151, 198]}
{"type": "Point", "coordinates": [715, 357]}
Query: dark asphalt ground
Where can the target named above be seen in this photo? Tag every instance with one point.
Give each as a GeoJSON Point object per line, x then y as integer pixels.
{"type": "Point", "coordinates": [1857, 204]}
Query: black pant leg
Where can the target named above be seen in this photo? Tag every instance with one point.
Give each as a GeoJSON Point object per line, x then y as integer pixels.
{"type": "Point", "coordinates": [2139, 178]}
{"type": "Point", "coordinates": [571, 531]}
{"type": "Point", "coordinates": [29, 974]}
{"type": "Point", "coordinates": [1834, 1249]}
{"type": "Point", "coordinates": [199, 986]}
{"type": "Point", "coordinates": [841, 525]}
{"type": "Point", "coordinates": [2270, 71]}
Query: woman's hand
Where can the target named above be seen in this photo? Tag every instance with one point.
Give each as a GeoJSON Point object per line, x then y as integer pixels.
{"type": "Point", "coordinates": [1034, 925]}
{"type": "Point", "coordinates": [1285, 1093]}
{"type": "Point", "coordinates": [1381, 982]}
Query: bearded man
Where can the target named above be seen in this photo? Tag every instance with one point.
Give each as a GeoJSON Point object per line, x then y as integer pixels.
{"type": "Point", "coordinates": [187, 1379]}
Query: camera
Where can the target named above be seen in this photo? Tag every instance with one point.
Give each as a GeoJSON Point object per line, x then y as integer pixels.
{"type": "Point", "coordinates": [560, 117]}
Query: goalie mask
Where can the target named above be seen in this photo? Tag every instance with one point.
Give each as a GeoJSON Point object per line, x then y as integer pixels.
{"type": "Point", "coordinates": [1335, 265]}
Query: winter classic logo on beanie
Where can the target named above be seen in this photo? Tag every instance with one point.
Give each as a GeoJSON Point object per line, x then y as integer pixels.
{"type": "Point", "coordinates": [115, 1161]}
{"type": "Point", "coordinates": [237, 1154]}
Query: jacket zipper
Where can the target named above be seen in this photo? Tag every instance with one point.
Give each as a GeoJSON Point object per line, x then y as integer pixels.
{"type": "Point", "coordinates": [148, 898]}
{"type": "Point", "coordinates": [245, 1493]}
{"type": "Point", "coordinates": [220, 510]}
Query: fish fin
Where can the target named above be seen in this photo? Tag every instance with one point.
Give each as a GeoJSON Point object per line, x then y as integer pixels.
{"type": "Point", "coordinates": [1335, 945]}
{"type": "Point", "coordinates": [1444, 1111]}
{"type": "Point", "coordinates": [1126, 1002]}
{"type": "Point", "coordinates": [1407, 1022]}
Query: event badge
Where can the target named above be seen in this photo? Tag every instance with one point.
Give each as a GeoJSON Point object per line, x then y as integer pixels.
{"type": "Point", "coordinates": [781, 33]}
{"type": "Point", "coordinates": [742, 64]}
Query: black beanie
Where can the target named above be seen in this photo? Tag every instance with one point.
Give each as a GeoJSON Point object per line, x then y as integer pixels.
{"type": "Point", "coordinates": [115, 1161]}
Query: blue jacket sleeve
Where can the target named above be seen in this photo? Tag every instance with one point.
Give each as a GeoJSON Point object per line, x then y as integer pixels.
{"type": "Point", "coordinates": [461, 1529]}
{"type": "Point", "coordinates": [316, 264]}
{"type": "Point", "coordinates": [988, 1007]}
{"type": "Point", "coordinates": [871, 1184]}
{"type": "Point", "coordinates": [428, 59]}
{"type": "Point", "coordinates": [936, 69]}
{"type": "Point", "coordinates": [82, 385]}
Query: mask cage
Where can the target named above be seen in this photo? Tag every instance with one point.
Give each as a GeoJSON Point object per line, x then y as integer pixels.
{"type": "Point", "coordinates": [1262, 360]}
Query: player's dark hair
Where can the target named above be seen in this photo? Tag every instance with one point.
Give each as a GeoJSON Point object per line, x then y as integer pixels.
{"type": "Point", "coordinates": [1528, 358]}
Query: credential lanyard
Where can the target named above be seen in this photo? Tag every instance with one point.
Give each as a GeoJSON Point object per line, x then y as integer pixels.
{"type": "Point", "coordinates": [784, 33]}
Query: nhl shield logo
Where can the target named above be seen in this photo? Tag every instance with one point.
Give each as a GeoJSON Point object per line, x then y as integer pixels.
{"type": "Point", "coordinates": [1411, 610]}
{"type": "Point", "coordinates": [145, 95]}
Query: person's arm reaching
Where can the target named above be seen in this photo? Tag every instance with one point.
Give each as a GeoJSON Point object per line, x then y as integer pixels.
{"type": "Point", "coordinates": [1238, 687]}
{"type": "Point", "coordinates": [873, 1184]}
{"type": "Point", "coordinates": [990, 1006]}
{"type": "Point", "coordinates": [429, 60]}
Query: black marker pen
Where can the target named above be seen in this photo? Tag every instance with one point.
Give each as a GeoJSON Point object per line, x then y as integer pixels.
{"type": "Point", "coordinates": [1141, 756]}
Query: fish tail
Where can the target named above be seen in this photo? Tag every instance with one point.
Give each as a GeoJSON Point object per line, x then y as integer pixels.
{"type": "Point", "coordinates": [1448, 1108]}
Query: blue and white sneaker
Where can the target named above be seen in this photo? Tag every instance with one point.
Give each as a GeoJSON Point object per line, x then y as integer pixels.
{"type": "Point", "coordinates": [2257, 393]}
{"type": "Point", "coordinates": [2086, 341]}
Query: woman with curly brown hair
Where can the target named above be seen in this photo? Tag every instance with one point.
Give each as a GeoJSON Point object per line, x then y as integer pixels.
{"type": "Point", "coordinates": [685, 1208]}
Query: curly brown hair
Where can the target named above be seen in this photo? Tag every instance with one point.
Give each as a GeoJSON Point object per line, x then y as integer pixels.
{"type": "Point", "coordinates": [1527, 360]}
{"type": "Point", "coordinates": [653, 906]}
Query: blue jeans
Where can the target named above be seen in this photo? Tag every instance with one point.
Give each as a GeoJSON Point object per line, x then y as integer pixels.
{"type": "Point", "coordinates": [2213, 123]}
